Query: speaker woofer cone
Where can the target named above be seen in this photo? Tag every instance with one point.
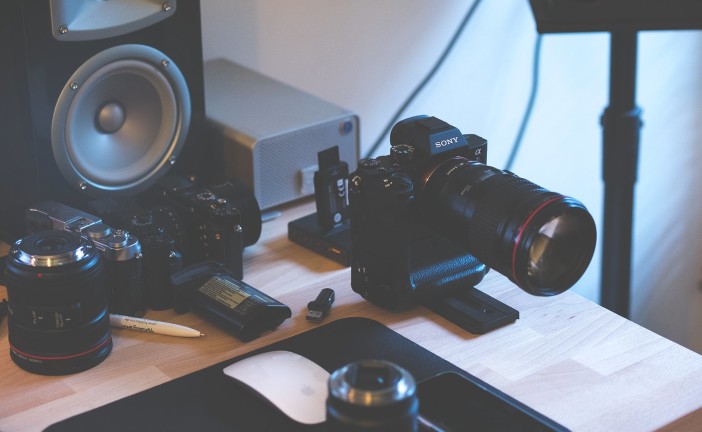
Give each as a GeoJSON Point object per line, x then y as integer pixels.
{"type": "Point", "coordinates": [120, 121]}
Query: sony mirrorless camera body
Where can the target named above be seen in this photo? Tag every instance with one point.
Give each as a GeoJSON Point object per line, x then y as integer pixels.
{"type": "Point", "coordinates": [399, 258]}
{"type": "Point", "coordinates": [429, 219]}
{"type": "Point", "coordinates": [121, 251]}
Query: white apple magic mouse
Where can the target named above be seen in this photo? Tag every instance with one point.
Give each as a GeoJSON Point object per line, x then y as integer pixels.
{"type": "Point", "coordinates": [294, 384]}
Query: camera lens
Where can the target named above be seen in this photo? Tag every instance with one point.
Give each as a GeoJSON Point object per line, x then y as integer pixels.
{"type": "Point", "coordinates": [541, 240]}
{"type": "Point", "coordinates": [372, 395]}
{"type": "Point", "coordinates": [58, 316]}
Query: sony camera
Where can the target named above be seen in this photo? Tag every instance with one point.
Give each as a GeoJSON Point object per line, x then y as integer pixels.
{"type": "Point", "coordinates": [431, 217]}
{"type": "Point", "coordinates": [121, 251]}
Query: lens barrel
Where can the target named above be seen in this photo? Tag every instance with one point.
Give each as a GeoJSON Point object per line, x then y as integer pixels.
{"type": "Point", "coordinates": [372, 395]}
{"type": "Point", "coordinates": [543, 241]}
{"type": "Point", "coordinates": [58, 319]}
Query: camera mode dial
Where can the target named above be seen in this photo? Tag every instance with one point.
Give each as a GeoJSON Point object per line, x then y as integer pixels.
{"type": "Point", "coordinates": [401, 152]}
{"type": "Point", "coordinates": [98, 231]}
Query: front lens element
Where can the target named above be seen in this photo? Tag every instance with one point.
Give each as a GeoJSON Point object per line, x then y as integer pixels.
{"type": "Point", "coordinates": [550, 254]}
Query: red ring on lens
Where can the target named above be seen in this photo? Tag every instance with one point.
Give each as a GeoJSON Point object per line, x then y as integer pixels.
{"type": "Point", "coordinates": [57, 358]}
{"type": "Point", "coordinates": [521, 231]}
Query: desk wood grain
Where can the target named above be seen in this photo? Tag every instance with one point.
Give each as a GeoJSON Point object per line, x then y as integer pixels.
{"type": "Point", "coordinates": [566, 357]}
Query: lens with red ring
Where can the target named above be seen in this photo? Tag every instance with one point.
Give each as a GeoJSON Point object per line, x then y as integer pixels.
{"type": "Point", "coordinates": [543, 241]}
{"type": "Point", "coordinates": [58, 321]}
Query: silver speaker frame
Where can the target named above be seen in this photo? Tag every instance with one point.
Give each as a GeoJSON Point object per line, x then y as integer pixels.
{"type": "Point", "coordinates": [166, 73]}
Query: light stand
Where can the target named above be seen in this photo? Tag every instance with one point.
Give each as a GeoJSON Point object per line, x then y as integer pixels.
{"type": "Point", "coordinates": [621, 120]}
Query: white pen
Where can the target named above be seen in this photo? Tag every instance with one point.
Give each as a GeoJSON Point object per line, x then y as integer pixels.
{"type": "Point", "coordinates": [150, 326]}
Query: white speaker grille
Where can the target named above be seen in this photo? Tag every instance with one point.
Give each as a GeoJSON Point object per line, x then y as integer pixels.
{"type": "Point", "coordinates": [281, 158]}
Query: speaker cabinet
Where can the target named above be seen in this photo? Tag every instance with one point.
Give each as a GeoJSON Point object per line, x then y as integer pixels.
{"type": "Point", "coordinates": [98, 98]}
{"type": "Point", "coordinates": [558, 16]}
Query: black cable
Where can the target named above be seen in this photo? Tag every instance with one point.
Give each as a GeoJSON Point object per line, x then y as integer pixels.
{"type": "Point", "coordinates": [426, 79]}
{"type": "Point", "coordinates": [530, 103]}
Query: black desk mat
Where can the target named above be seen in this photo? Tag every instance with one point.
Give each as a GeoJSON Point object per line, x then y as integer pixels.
{"type": "Point", "coordinates": [206, 401]}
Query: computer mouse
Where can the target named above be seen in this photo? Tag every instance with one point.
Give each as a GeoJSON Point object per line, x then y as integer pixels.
{"type": "Point", "coordinates": [294, 384]}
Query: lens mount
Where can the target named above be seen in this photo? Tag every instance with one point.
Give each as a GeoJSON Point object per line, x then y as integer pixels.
{"type": "Point", "coordinates": [52, 249]}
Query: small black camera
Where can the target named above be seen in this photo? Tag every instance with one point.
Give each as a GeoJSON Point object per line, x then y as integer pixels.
{"type": "Point", "coordinates": [430, 218]}
{"type": "Point", "coordinates": [213, 222]}
{"type": "Point", "coordinates": [181, 223]}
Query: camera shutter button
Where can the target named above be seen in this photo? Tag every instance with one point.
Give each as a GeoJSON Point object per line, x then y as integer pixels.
{"type": "Point", "coordinates": [402, 152]}
{"type": "Point", "coordinates": [118, 239]}
{"type": "Point", "coordinates": [98, 231]}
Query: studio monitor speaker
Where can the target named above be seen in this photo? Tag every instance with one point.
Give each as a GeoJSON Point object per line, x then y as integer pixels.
{"type": "Point", "coordinates": [97, 98]}
{"type": "Point", "coordinates": [556, 16]}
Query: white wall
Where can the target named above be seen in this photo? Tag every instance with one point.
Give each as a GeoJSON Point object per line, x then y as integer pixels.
{"type": "Point", "coordinates": [367, 55]}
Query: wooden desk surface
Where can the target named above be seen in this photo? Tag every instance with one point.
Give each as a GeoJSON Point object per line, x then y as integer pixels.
{"type": "Point", "coordinates": [566, 357]}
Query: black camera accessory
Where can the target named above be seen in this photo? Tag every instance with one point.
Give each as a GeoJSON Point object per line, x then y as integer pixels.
{"type": "Point", "coordinates": [318, 308]}
{"type": "Point", "coordinates": [121, 250]}
{"type": "Point", "coordinates": [334, 243]}
{"type": "Point", "coordinates": [326, 232]}
{"type": "Point", "coordinates": [331, 189]}
{"type": "Point", "coordinates": [372, 395]}
{"type": "Point", "coordinates": [209, 289]}
{"type": "Point", "coordinates": [473, 310]}
{"type": "Point", "coordinates": [57, 301]}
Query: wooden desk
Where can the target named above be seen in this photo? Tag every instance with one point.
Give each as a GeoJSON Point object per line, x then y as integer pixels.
{"type": "Point", "coordinates": [567, 357]}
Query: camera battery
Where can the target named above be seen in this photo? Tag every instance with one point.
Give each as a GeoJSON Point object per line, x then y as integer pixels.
{"type": "Point", "coordinates": [210, 290]}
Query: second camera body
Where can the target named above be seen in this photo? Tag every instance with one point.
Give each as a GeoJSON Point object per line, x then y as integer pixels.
{"type": "Point", "coordinates": [207, 223]}
{"type": "Point", "coordinates": [430, 218]}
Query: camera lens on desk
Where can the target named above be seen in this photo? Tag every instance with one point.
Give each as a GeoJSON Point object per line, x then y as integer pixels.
{"type": "Point", "coordinates": [542, 240]}
{"type": "Point", "coordinates": [372, 395]}
{"type": "Point", "coordinates": [58, 319]}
